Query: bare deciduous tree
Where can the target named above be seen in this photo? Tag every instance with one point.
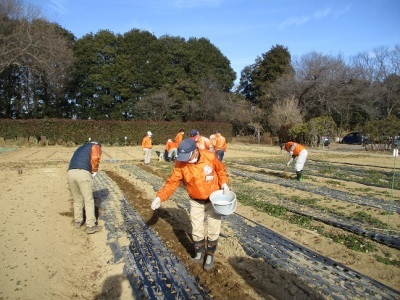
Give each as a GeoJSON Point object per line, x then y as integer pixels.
{"type": "Point", "coordinates": [285, 114]}
{"type": "Point", "coordinates": [16, 37]}
{"type": "Point", "coordinates": [155, 107]}
{"type": "Point", "coordinates": [40, 53]}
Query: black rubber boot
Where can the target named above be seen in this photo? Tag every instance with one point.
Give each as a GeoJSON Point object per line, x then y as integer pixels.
{"type": "Point", "coordinates": [211, 247]}
{"type": "Point", "coordinates": [199, 249]}
{"type": "Point", "coordinates": [299, 175]}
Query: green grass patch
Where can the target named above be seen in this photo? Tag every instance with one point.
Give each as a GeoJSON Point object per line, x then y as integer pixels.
{"type": "Point", "coordinates": [388, 260]}
{"type": "Point", "coordinates": [312, 202]}
{"type": "Point", "coordinates": [270, 209]}
{"type": "Point", "coordinates": [352, 242]}
{"type": "Point", "coordinates": [367, 218]}
{"type": "Point", "coordinates": [303, 221]}
{"type": "Point", "coordinates": [334, 183]}
{"type": "Point", "coordinates": [327, 170]}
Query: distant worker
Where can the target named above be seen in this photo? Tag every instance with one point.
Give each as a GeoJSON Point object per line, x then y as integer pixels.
{"type": "Point", "coordinates": [179, 137]}
{"type": "Point", "coordinates": [82, 170]}
{"type": "Point", "coordinates": [212, 138]}
{"type": "Point", "coordinates": [202, 173]}
{"type": "Point", "coordinates": [202, 142]}
{"type": "Point", "coordinates": [219, 145]}
{"type": "Point", "coordinates": [172, 150]}
{"type": "Point", "coordinates": [298, 153]}
{"type": "Point", "coordinates": [147, 145]}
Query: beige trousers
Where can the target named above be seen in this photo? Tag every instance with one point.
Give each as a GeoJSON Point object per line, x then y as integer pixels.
{"type": "Point", "coordinates": [147, 155]}
{"type": "Point", "coordinates": [81, 185]}
{"type": "Point", "coordinates": [201, 213]}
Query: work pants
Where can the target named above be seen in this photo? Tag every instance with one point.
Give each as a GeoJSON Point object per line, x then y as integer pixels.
{"type": "Point", "coordinates": [81, 185]}
{"type": "Point", "coordinates": [173, 153]}
{"type": "Point", "coordinates": [301, 160]}
{"type": "Point", "coordinates": [147, 155]}
{"type": "Point", "coordinates": [220, 154]}
{"type": "Point", "coordinates": [202, 212]}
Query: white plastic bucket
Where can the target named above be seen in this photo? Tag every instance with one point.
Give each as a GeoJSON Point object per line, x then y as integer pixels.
{"type": "Point", "coordinates": [224, 203]}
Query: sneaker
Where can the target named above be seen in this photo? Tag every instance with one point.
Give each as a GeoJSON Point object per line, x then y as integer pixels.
{"type": "Point", "coordinates": [78, 225]}
{"type": "Point", "coordinates": [93, 229]}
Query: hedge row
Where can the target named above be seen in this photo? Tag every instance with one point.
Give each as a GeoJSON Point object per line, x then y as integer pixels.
{"type": "Point", "coordinates": [62, 131]}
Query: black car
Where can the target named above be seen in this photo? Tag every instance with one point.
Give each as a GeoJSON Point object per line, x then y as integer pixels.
{"type": "Point", "coordinates": [355, 137]}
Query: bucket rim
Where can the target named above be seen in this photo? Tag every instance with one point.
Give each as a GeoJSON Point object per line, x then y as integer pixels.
{"type": "Point", "coordinates": [226, 203]}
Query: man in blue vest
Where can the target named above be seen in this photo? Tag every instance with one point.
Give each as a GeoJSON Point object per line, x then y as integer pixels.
{"type": "Point", "coordinates": [82, 169]}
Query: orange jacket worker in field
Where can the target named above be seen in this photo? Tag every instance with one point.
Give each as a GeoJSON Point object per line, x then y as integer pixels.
{"type": "Point", "coordinates": [172, 150]}
{"type": "Point", "coordinates": [179, 136]}
{"type": "Point", "coordinates": [219, 145]}
{"type": "Point", "coordinates": [297, 152]}
{"type": "Point", "coordinates": [82, 170]}
{"type": "Point", "coordinates": [201, 141]}
{"type": "Point", "coordinates": [147, 145]}
{"type": "Point", "coordinates": [202, 173]}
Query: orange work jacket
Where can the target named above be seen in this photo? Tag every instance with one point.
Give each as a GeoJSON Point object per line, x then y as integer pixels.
{"type": "Point", "coordinates": [203, 143]}
{"type": "Point", "coordinates": [146, 142]}
{"type": "Point", "coordinates": [200, 178]}
{"type": "Point", "coordinates": [219, 142]}
{"type": "Point", "coordinates": [170, 145]}
{"type": "Point", "coordinates": [95, 155]}
{"type": "Point", "coordinates": [296, 148]}
{"type": "Point", "coordinates": [178, 138]}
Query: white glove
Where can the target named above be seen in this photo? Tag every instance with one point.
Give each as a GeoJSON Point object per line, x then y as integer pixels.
{"type": "Point", "coordinates": [94, 174]}
{"type": "Point", "coordinates": [156, 203]}
{"type": "Point", "coordinates": [225, 187]}
{"type": "Point", "coordinates": [291, 153]}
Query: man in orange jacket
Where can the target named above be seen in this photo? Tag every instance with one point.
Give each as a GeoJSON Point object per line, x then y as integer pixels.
{"type": "Point", "coordinates": [147, 145]}
{"type": "Point", "coordinates": [179, 136]}
{"type": "Point", "coordinates": [297, 152]}
{"type": "Point", "coordinates": [202, 173]}
{"type": "Point", "coordinates": [219, 145]}
{"type": "Point", "coordinates": [201, 141]}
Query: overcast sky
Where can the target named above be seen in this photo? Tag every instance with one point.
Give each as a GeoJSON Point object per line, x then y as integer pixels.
{"type": "Point", "coordinates": [242, 29]}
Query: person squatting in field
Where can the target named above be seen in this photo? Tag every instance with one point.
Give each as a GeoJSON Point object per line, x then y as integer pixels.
{"type": "Point", "coordinates": [202, 173]}
{"type": "Point", "coordinates": [171, 149]}
{"type": "Point", "coordinates": [298, 153]}
{"type": "Point", "coordinates": [82, 170]}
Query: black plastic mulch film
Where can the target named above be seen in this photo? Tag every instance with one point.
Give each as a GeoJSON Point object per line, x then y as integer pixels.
{"type": "Point", "coordinates": [152, 270]}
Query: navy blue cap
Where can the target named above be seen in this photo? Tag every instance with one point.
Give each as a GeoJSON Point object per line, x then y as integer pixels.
{"type": "Point", "coordinates": [194, 132]}
{"type": "Point", "coordinates": [185, 149]}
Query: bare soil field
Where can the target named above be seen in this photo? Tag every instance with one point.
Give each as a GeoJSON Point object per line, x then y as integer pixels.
{"type": "Point", "coordinates": [345, 214]}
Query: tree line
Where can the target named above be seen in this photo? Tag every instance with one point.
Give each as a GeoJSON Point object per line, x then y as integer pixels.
{"type": "Point", "coordinates": [46, 72]}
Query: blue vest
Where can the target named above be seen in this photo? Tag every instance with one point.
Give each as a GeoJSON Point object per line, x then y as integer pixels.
{"type": "Point", "coordinates": [81, 158]}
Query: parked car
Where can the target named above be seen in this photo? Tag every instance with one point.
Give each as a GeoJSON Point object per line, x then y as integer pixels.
{"type": "Point", "coordinates": [355, 137]}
